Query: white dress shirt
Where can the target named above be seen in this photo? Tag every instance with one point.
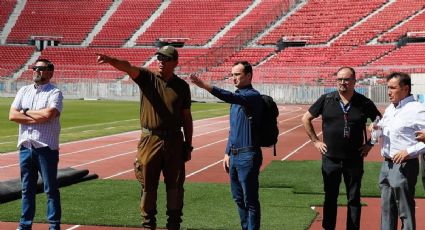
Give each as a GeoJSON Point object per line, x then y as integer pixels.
{"type": "Point", "coordinates": [398, 128]}
{"type": "Point", "coordinates": [35, 98]}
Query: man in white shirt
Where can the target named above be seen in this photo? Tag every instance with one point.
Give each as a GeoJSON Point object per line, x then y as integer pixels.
{"type": "Point", "coordinates": [400, 169]}
{"type": "Point", "coordinates": [420, 136]}
{"type": "Point", "coordinates": [37, 108]}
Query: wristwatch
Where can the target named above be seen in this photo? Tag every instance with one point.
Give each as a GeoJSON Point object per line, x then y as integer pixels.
{"type": "Point", "coordinates": [25, 111]}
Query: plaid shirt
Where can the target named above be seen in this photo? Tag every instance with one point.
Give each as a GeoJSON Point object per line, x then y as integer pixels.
{"type": "Point", "coordinates": [35, 98]}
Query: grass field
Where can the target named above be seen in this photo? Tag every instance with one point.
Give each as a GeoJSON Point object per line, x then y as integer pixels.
{"type": "Point", "coordinates": [207, 206]}
{"type": "Point", "coordinates": [288, 190]}
{"type": "Point", "coordinates": [85, 119]}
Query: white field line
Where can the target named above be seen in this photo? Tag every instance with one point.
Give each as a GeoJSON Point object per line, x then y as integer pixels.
{"type": "Point", "coordinates": [217, 162]}
{"type": "Point", "coordinates": [73, 227]}
{"type": "Point", "coordinates": [112, 144]}
{"type": "Point", "coordinates": [115, 175]}
{"type": "Point", "coordinates": [187, 176]}
{"type": "Point", "coordinates": [103, 159]}
{"type": "Point", "coordinates": [120, 134]}
{"type": "Point", "coordinates": [114, 122]}
{"type": "Point", "coordinates": [78, 151]}
{"type": "Point", "coordinates": [297, 149]}
{"type": "Point", "coordinates": [204, 168]}
{"type": "Point", "coordinates": [129, 170]}
{"type": "Point", "coordinates": [127, 133]}
{"type": "Point", "coordinates": [200, 170]}
{"type": "Point", "coordinates": [7, 142]}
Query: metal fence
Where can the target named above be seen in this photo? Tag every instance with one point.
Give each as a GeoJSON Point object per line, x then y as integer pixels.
{"type": "Point", "coordinates": [127, 90]}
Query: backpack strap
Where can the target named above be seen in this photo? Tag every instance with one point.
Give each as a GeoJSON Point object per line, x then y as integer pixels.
{"type": "Point", "coordinates": [255, 132]}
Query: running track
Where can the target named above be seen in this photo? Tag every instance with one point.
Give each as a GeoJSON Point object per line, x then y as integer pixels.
{"type": "Point", "coordinates": [112, 157]}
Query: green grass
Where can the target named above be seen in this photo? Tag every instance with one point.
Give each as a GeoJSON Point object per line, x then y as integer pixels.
{"type": "Point", "coordinates": [305, 177]}
{"type": "Point", "coordinates": [287, 191]}
{"type": "Point", "coordinates": [86, 119]}
{"type": "Point", "coordinates": [207, 206]}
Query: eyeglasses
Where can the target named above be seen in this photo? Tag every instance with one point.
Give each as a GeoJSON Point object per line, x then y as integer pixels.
{"type": "Point", "coordinates": [164, 58]}
{"type": "Point", "coordinates": [40, 68]}
{"type": "Point", "coordinates": [235, 74]}
{"type": "Point", "coordinates": [344, 79]}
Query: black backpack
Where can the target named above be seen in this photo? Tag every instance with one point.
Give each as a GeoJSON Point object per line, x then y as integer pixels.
{"type": "Point", "coordinates": [268, 130]}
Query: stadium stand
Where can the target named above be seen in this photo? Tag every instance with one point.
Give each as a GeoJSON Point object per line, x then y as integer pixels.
{"type": "Point", "coordinates": [80, 62]}
{"type": "Point", "coordinates": [335, 34]}
{"type": "Point", "coordinates": [190, 59]}
{"type": "Point", "coordinates": [360, 55]}
{"type": "Point", "coordinates": [264, 14]}
{"type": "Point", "coordinates": [124, 22]}
{"type": "Point", "coordinates": [413, 54]}
{"type": "Point", "coordinates": [71, 21]}
{"type": "Point", "coordinates": [319, 21]}
{"type": "Point", "coordinates": [391, 14]}
{"type": "Point", "coordinates": [196, 20]}
{"type": "Point", "coordinates": [13, 58]}
{"type": "Point", "coordinates": [6, 9]}
{"type": "Point", "coordinates": [252, 54]}
{"type": "Point", "coordinates": [302, 56]}
{"type": "Point", "coordinates": [416, 24]}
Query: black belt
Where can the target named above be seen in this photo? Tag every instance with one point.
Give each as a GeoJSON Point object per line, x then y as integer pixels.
{"type": "Point", "coordinates": [236, 151]}
{"type": "Point", "coordinates": [32, 147]}
{"type": "Point", "coordinates": [160, 132]}
{"type": "Point", "coordinates": [391, 160]}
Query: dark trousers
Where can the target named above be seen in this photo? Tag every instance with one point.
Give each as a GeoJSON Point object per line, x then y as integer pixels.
{"type": "Point", "coordinates": [352, 172]}
{"type": "Point", "coordinates": [423, 170]}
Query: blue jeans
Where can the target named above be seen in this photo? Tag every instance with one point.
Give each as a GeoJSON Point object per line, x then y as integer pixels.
{"type": "Point", "coordinates": [244, 170]}
{"type": "Point", "coordinates": [45, 161]}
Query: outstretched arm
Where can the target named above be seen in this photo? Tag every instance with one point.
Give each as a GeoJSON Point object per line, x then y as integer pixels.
{"type": "Point", "coordinates": [122, 65]}
{"type": "Point", "coordinates": [200, 83]}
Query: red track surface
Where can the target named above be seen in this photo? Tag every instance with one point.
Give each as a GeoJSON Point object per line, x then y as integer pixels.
{"type": "Point", "coordinates": [112, 157]}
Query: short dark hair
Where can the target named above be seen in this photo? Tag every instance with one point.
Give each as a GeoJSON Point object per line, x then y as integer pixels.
{"type": "Point", "coordinates": [403, 79]}
{"type": "Point", "coordinates": [247, 68]}
{"type": "Point", "coordinates": [48, 63]}
{"type": "Point", "coordinates": [353, 72]}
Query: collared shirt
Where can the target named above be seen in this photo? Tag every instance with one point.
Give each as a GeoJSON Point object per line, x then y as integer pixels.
{"type": "Point", "coordinates": [162, 102]}
{"type": "Point", "coordinates": [359, 109]}
{"type": "Point", "coordinates": [398, 128]}
{"type": "Point", "coordinates": [36, 97]}
{"type": "Point", "coordinates": [241, 133]}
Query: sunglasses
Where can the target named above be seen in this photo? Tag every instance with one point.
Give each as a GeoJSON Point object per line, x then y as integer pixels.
{"type": "Point", "coordinates": [40, 68]}
{"type": "Point", "coordinates": [164, 58]}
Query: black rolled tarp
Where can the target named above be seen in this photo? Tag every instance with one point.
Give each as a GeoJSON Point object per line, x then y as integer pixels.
{"type": "Point", "coordinates": [11, 189]}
